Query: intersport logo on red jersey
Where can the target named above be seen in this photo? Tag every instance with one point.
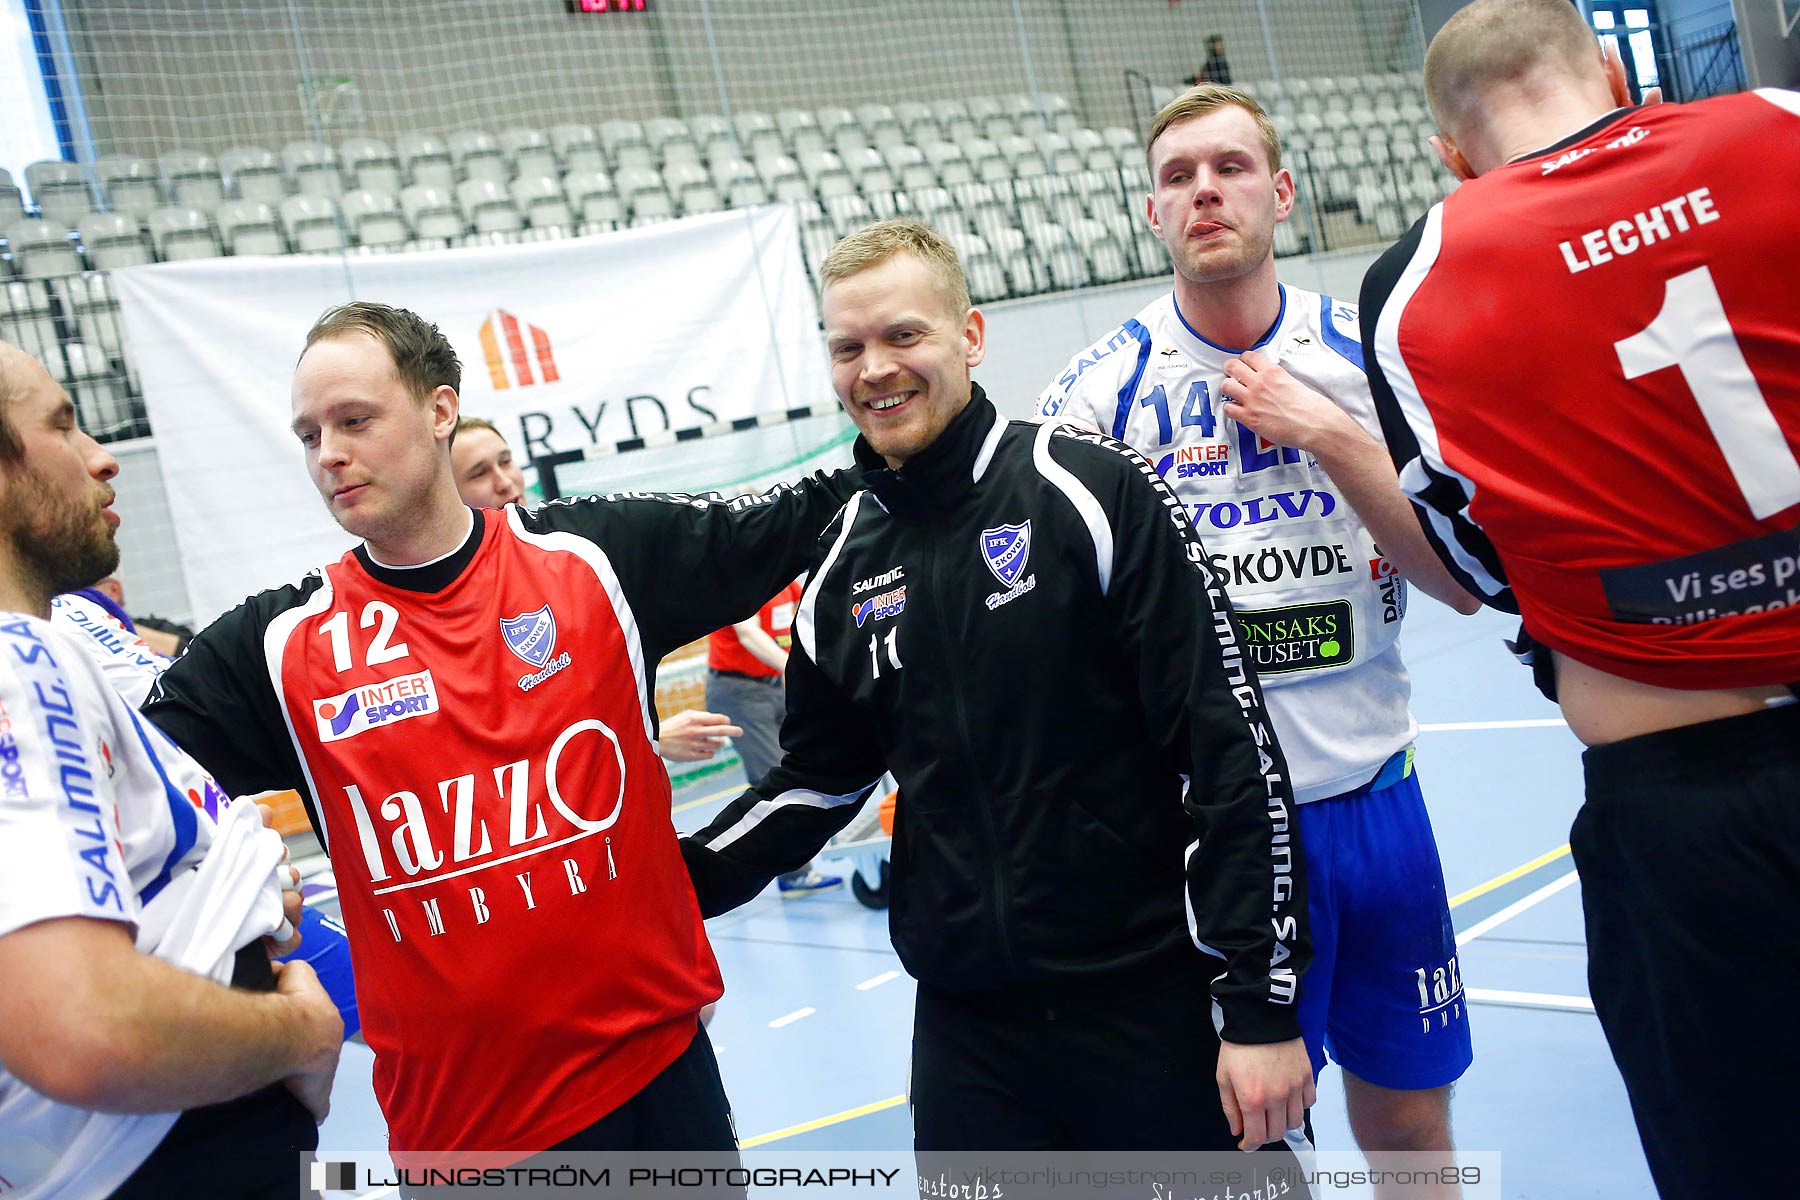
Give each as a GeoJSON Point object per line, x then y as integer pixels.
{"type": "Point", "coordinates": [375, 704]}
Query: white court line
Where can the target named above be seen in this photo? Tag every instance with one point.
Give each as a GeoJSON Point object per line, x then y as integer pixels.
{"type": "Point", "coordinates": [799, 1014]}
{"type": "Point", "coordinates": [884, 977]}
{"type": "Point", "coordinates": [1531, 999]}
{"type": "Point", "coordinates": [1455, 726]}
{"type": "Point", "coordinates": [1514, 909]}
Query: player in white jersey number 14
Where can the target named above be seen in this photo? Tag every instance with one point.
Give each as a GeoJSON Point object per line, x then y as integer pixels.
{"type": "Point", "coordinates": [1250, 399]}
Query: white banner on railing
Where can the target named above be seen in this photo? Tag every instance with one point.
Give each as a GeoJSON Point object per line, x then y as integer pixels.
{"type": "Point", "coordinates": [563, 344]}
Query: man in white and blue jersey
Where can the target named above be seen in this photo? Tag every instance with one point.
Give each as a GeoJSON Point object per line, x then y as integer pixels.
{"type": "Point", "coordinates": [128, 1067]}
{"type": "Point", "coordinates": [1250, 399]}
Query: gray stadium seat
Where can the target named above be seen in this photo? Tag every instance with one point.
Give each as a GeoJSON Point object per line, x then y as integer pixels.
{"type": "Point", "coordinates": [728, 168]}
{"type": "Point", "coordinates": [249, 227]}
{"type": "Point", "coordinates": [373, 218]}
{"type": "Point", "coordinates": [593, 198]}
{"type": "Point", "coordinates": [114, 240]}
{"type": "Point", "coordinates": [1060, 153]}
{"type": "Point", "coordinates": [12, 202]}
{"type": "Point", "coordinates": [42, 250]}
{"type": "Point", "coordinates": [746, 192]}
{"type": "Point", "coordinates": [758, 134]}
{"type": "Point", "coordinates": [487, 207]}
{"type": "Point", "coordinates": [710, 131]}
{"type": "Point", "coordinates": [625, 144]}
{"type": "Point", "coordinates": [181, 232]}
{"type": "Point", "coordinates": [191, 179]}
{"type": "Point", "coordinates": [935, 207]}
{"type": "Point", "coordinates": [426, 162]}
{"type": "Point", "coordinates": [253, 173]}
{"type": "Point", "coordinates": [130, 184]}
{"type": "Point", "coordinates": [651, 207]}
{"type": "Point", "coordinates": [541, 200]}
{"type": "Point", "coordinates": [698, 201]}
{"type": "Point", "coordinates": [987, 277]}
{"type": "Point", "coordinates": [1106, 258]}
{"type": "Point", "coordinates": [311, 222]}
{"type": "Point", "coordinates": [915, 118]}
{"type": "Point", "coordinates": [26, 320]}
{"type": "Point", "coordinates": [799, 131]}
{"type": "Point", "coordinates": [833, 118]}
{"type": "Point", "coordinates": [61, 192]}
{"type": "Point", "coordinates": [577, 148]}
{"type": "Point", "coordinates": [671, 141]}
{"type": "Point", "coordinates": [476, 154]}
{"type": "Point", "coordinates": [950, 163]}
{"type": "Point", "coordinates": [846, 213]}
{"type": "Point", "coordinates": [371, 164]}
{"type": "Point", "coordinates": [96, 312]}
{"type": "Point", "coordinates": [529, 151]}
{"type": "Point", "coordinates": [629, 181]}
{"type": "Point", "coordinates": [821, 165]}
{"type": "Point", "coordinates": [98, 391]}
{"type": "Point", "coordinates": [682, 178]}
{"type": "Point", "coordinates": [431, 212]}
{"type": "Point", "coordinates": [313, 168]}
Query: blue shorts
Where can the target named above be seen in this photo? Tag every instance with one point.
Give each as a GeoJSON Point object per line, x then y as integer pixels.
{"type": "Point", "coordinates": [325, 948]}
{"type": "Point", "coordinates": [1384, 993]}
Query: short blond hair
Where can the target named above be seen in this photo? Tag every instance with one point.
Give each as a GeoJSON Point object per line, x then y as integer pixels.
{"type": "Point", "coordinates": [1498, 42]}
{"type": "Point", "coordinates": [874, 244]}
{"type": "Point", "coordinates": [1204, 98]}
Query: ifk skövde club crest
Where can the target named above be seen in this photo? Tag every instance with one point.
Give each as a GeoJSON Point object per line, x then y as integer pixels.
{"type": "Point", "coordinates": [531, 636]}
{"type": "Point", "coordinates": [1005, 549]}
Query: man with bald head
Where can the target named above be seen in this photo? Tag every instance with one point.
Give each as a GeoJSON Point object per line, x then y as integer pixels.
{"type": "Point", "coordinates": [1587, 363]}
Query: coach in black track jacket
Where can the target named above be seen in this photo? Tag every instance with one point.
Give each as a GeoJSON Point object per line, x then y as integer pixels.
{"type": "Point", "coordinates": [1005, 619]}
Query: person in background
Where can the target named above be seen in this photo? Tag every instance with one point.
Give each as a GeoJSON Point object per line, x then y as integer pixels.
{"type": "Point", "coordinates": [1216, 69]}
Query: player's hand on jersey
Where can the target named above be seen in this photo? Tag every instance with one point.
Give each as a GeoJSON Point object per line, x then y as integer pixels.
{"type": "Point", "coordinates": [319, 1035]}
{"type": "Point", "coordinates": [693, 736]}
{"type": "Point", "coordinates": [1260, 394]}
{"type": "Point", "coordinates": [285, 940]}
{"type": "Point", "coordinates": [1265, 1090]}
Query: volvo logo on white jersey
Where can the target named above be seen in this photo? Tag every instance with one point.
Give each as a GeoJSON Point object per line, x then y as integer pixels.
{"type": "Point", "coordinates": [375, 704]}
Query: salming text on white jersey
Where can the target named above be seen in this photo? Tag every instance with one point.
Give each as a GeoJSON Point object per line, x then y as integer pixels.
{"type": "Point", "coordinates": [130, 665]}
{"type": "Point", "coordinates": [1321, 605]}
{"type": "Point", "coordinates": [92, 824]}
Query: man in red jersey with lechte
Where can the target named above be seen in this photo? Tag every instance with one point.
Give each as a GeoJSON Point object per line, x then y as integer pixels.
{"type": "Point", "coordinates": [465, 703]}
{"type": "Point", "coordinates": [1587, 361]}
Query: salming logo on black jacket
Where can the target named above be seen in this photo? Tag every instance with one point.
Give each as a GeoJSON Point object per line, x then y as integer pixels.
{"type": "Point", "coordinates": [1021, 625]}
